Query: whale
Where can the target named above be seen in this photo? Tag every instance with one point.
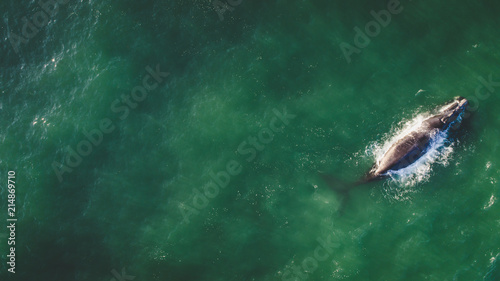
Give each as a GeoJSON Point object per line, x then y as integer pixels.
{"type": "Point", "coordinates": [412, 146]}
{"type": "Point", "coordinates": [408, 149]}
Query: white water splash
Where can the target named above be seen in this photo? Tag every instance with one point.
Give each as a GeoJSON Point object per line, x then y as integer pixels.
{"type": "Point", "coordinates": [403, 183]}
{"type": "Point", "coordinates": [490, 203]}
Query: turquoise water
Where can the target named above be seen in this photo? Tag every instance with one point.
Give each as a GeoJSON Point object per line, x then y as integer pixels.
{"type": "Point", "coordinates": [135, 206]}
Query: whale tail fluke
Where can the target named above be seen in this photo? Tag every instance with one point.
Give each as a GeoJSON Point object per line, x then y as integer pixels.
{"type": "Point", "coordinates": [339, 185]}
{"type": "Point", "coordinates": [343, 188]}
{"type": "Point", "coordinates": [335, 183]}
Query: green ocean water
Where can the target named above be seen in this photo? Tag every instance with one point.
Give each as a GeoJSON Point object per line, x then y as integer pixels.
{"type": "Point", "coordinates": [142, 204]}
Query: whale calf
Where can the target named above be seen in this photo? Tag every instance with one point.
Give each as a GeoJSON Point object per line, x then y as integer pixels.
{"type": "Point", "coordinates": [412, 146]}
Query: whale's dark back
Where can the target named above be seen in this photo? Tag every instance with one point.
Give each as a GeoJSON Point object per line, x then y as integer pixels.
{"type": "Point", "coordinates": [411, 147]}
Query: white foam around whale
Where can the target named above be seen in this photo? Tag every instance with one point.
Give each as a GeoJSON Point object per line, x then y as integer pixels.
{"type": "Point", "coordinates": [403, 182]}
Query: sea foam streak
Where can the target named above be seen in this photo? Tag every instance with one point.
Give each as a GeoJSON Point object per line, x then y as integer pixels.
{"type": "Point", "coordinates": [402, 182]}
